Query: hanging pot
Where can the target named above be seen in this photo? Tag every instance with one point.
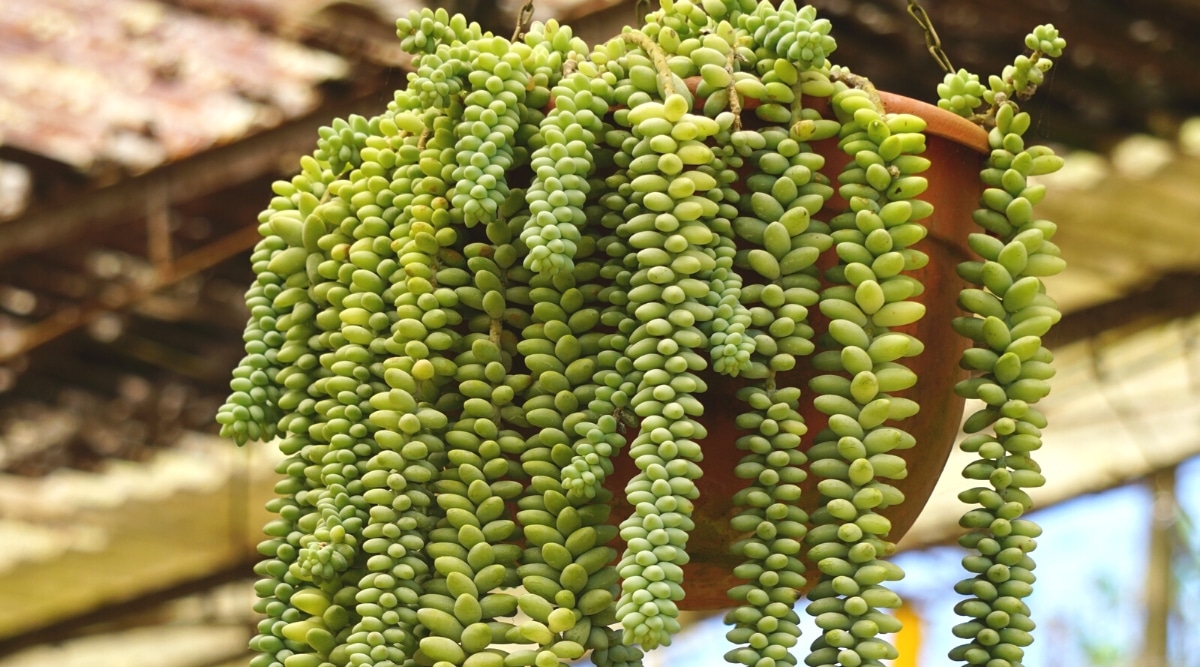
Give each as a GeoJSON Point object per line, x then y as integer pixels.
{"type": "Point", "coordinates": [955, 148]}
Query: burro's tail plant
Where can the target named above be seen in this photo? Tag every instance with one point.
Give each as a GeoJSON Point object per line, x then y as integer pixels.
{"type": "Point", "coordinates": [1009, 312]}
{"type": "Point", "coordinates": [542, 254]}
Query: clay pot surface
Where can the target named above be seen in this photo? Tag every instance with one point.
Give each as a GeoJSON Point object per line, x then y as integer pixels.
{"type": "Point", "coordinates": [955, 148]}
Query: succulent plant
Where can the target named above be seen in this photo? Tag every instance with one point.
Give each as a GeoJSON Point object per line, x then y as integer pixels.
{"type": "Point", "coordinates": [541, 254]}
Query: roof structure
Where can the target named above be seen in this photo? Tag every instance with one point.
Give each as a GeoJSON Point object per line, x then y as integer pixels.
{"type": "Point", "coordinates": [135, 140]}
{"type": "Point", "coordinates": [138, 139]}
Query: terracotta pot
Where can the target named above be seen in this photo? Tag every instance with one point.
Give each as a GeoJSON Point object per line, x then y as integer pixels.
{"type": "Point", "coordinates": [956, 148]}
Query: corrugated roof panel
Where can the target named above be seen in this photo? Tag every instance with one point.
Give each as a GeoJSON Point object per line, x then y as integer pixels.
{"type": "Point", "coordinates": [278, 13]}
{"type": "Point", "coordinates": [137, 83]}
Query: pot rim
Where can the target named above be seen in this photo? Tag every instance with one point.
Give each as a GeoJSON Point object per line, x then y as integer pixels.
{"type": "Point", "coordinates": [939, 122]}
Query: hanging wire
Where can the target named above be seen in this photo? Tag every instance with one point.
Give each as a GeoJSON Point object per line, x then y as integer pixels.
{"type": "Point", "coordinates": [932, 42]}
{"type": "Point", "coordinates": [523, 20]}
{"type": "Point", "coordinates": [640, 9]}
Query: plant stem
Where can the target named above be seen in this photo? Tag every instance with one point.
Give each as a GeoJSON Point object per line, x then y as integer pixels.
{"type": "Point", "coordinates": [735, 103]}
{"type": "Point", "coordinates": [861, 82]}
{"type": "Point", "coordinates": [638, 38]}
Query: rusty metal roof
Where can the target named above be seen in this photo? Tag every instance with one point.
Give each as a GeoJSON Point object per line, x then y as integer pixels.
{"type": "Point", "coordinates": [277, 14]}
{"type": "Point", "coordinates": [137, 83]}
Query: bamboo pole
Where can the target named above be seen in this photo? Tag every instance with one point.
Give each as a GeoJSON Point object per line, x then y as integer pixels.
{"type": "Point", "coordinates": [1160, 585]}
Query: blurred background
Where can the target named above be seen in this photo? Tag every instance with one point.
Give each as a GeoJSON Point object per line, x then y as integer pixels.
{"type": "Point", "coordinates": [138, 140]}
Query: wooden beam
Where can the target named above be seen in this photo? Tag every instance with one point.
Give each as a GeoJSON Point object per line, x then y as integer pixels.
{"type": "Point", "coordinates": [191, 178]}
{"type": "Point", "coordinates": [1173, 296]}
{"type": "Point", "coordinates": [79, 625]}
{"type": "Point", "coordinates": [68, 319]}
{"type": "Point", "coordinates": [155, 547]}
{"type": "Point", "coordinates": [158, 230]}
